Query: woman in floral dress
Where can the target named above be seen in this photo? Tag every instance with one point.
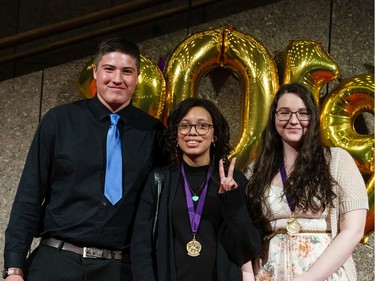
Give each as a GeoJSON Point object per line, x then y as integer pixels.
{"type": "Point", "coordinates": [311, 200]}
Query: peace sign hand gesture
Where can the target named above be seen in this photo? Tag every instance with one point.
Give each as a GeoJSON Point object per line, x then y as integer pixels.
{"type": "Point", "coordinates": [227, 182]}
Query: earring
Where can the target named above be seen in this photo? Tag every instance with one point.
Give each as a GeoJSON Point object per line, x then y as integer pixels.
{"type": "Point", "coordinates": [213, 143]}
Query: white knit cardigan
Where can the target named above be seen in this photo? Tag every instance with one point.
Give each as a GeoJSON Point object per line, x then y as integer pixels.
{"type": "Point", "coordinates": [351, 195]}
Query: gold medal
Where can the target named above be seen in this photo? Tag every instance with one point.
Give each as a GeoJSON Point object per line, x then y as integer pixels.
{"type": "Point", "coordinates": [293, 227]}
{"type": "Point", "coordinates": [193, 248]}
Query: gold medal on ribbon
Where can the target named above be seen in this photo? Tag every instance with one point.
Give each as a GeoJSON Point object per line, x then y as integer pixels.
{"type": "Point", "coordinates": [293, 227]}
{"type": "Point", "coordinates": [193, 247]}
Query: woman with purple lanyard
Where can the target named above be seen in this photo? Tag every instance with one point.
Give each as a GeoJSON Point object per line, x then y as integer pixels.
{"type": "Point", "coordinates": [310, 199]}
{"type": "Point", "coordinates": [192, 222]}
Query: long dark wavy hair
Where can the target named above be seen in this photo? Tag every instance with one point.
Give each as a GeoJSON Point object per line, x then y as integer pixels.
{"type": "Point", "coordinates": [218, 150]}
{"type": "Point", "coordinates": [310, 183]}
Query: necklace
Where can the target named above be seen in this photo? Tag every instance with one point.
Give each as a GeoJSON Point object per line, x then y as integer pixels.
{"type": "Point", "coordinates": [293, 226]}
{"type": "Point", "coordinates": [193, 247]}
{"type": "Point", "coordinates": [195, 196]}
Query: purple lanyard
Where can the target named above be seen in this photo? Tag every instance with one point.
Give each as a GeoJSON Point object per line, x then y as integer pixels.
{"type": "Point", "coordinates": [289, 198]}
{"type": "Point", "coordinates": [195, 215]}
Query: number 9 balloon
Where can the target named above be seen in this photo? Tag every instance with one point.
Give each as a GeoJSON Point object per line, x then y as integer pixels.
{"type": "Point", "coordinates": [341, 107]}
{"type": "Point", "coordinates": [338, 113]}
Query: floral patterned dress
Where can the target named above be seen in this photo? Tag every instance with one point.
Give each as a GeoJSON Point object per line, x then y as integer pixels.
{"type": "Point", "coordinates": [284, 256]}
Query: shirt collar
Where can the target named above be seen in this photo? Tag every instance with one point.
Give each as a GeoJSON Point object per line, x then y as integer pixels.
{"type": "Point", "coordinates": [101, 112]}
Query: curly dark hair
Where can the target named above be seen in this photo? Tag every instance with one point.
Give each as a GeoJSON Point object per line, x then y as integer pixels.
{"type": "Point", "coordinates": [310, 183]}
{"type": "Point", "coordinates": [219, 150]}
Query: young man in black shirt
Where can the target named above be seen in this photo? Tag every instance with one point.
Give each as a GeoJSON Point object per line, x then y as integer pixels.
{"type": "Point", "coordinates": [61, 196]}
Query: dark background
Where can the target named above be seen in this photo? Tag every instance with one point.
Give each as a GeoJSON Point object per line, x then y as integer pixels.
{"type": "Point", "coordinates": [39, 34]}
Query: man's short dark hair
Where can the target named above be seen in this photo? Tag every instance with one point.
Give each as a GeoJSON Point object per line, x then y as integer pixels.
{"type": "Point", "coordinates": [118, 44]}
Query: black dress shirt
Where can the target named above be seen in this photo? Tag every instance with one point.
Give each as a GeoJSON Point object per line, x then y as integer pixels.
{"type": "Point", "coordinates": [60, 193]}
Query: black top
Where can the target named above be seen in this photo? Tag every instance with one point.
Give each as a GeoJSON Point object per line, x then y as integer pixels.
{"type": "Point", "coordinates": [154, 257]}
{"type": "Point", "coordinates": [203, 266]}
{"type": "Point", "coordinates": [60, 193]}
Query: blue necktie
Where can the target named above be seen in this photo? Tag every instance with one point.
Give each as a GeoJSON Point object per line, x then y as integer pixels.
{"type": "Point", "coordinates": [113, 174]}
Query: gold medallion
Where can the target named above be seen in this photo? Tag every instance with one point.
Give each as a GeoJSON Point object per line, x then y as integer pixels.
{"type": "Point", "coordinates": [193, 248]}
{"type": "Point", "coordinates": [293, 227]}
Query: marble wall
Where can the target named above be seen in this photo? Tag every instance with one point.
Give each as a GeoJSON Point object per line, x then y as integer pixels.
{"type": "Point", "coordinates": [344, 29]}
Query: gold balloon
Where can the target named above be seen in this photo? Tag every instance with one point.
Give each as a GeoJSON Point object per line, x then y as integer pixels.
{"type": "Point", "coordinates": [341, 107]}
{"type": "Point", "coordinates": [151, 90]}
{"type": "Point", "coordinates": [246, 58]}
{"type": "Point", "coordinates": [339, 110]}
{"type": "Point", "coordinates": [308, 63]}
{"type": "Point", "coordinates": [149, 94]}
{"type": "Point", "coordinates": [189, 61]}
{"type": "Point", "coordinates": [86, 83]}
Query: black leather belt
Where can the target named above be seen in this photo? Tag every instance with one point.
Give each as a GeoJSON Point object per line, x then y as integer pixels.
{"type": "Point", "coordinates": [86, 252]}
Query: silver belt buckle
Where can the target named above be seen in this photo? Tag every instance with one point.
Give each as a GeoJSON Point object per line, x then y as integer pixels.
{"type": "Point", "coordinates": [92, 253]}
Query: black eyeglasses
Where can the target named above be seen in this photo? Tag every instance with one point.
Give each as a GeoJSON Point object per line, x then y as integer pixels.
{"type": "Point", "coordinates": [285, 115]}
{"type": "Point", "coordinates": [201, 128]}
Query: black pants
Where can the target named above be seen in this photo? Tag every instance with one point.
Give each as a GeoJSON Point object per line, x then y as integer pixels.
{"type": "Point", "coordinates": [50, 264]}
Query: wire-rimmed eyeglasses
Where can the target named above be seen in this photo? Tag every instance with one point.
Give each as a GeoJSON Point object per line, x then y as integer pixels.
{"type": "Point", "coordinates": [201, 128]}
{"type": "Point", "coordinates": [285, 115]}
